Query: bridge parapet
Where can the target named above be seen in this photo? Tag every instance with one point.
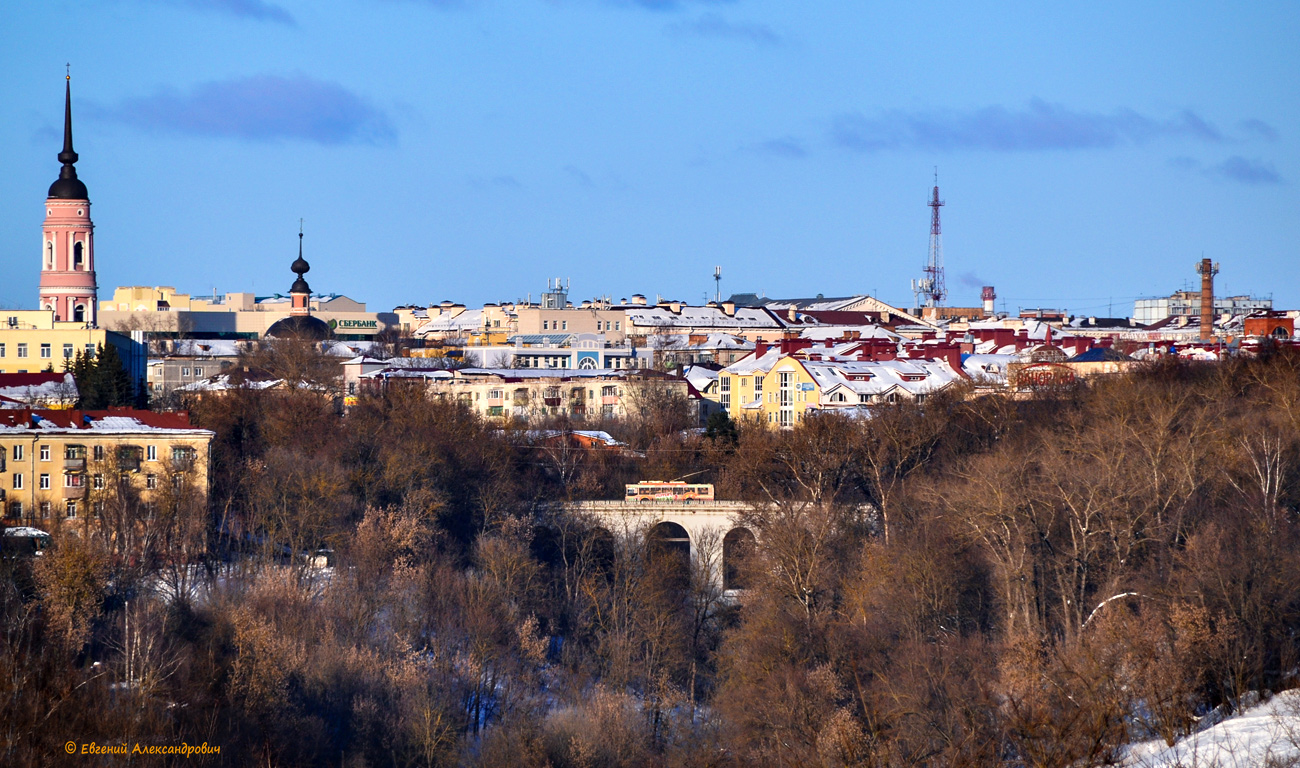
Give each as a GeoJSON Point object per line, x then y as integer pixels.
{"type": "Point", "coordinates": [662, 508]}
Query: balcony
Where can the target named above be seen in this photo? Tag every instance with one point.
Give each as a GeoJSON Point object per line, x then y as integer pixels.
{"type": "Point", "coordinates": [74, 458]}
{"type": "Point", "coordinates": [74, 492]}
{"type": "Point", "coordinates": [129, 458]}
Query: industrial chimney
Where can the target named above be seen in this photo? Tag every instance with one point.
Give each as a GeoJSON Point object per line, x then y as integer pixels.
{"type": "Point", "coordinates": [1207, 271]}
{"type": "Point", "coordinates": [988, 297]}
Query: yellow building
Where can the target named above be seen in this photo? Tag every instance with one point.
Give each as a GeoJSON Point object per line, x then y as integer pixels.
{"type": "Point", "coordinates": [162, 311]}
{"type": "Point", "coordinates": [59, 467]}
{"type": "Point", "coordinates": [780, 389]}
{"type": "Point", "coordinates": [31, 340]}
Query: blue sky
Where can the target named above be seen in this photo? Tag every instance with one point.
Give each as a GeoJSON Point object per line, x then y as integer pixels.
{"type": "Point", "coordinates": [470, 149]}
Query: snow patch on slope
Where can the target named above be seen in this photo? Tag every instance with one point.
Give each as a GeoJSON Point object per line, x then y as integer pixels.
{"type": "Point", "coordinates": [1267, 734]}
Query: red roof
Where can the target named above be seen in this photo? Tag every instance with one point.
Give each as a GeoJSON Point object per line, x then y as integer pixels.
{"type": "Point", "coordinates": [75, 419]}
{"type": "Point", "coordinates": [30, 379]}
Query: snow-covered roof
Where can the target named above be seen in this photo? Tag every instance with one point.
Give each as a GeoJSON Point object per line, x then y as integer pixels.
{"type": "Point", "coordinates": [205, 348]}
{"type": "Point", "coordinates": [469, 320]}
{"type": "Point", "coordinates": [350, 349]}
{"type": "Point", "coordinates": [25, 531]}
{"type": "Point", "coordinates": [700, 377]}
{"type": "Point", "coordinates": [116, 421]}
{"type": "Point", "coordinates": [818, 304]}
{"type": "Point", "coordinates": [835, 332]}
{"type": "Point", "coordinates": [990, 368]}
{"type": "Point", "coordinates": [34, 388]}
{"type": "Point", "coordinates": [222, 383]}
{"type": "Point", "coordinates": [542, 339]}
{"type": "Point", "coordinates": [506, 373]}
{"type": "Point", "coordinates": [873, 378]}
{"type": "Point", "coordinates": [755, 363]}
{"type": "Point", "coordinates": [701, 317]}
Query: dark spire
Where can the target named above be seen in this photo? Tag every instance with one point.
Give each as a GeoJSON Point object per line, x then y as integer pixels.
{"type": "Point", "coordinates": [300, 267]}
{"type": "Point", "coordinates": [68, 186]}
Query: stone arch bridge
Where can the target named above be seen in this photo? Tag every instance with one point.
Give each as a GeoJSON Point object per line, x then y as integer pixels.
{"type": "Point", "coordinates": [704, 528]}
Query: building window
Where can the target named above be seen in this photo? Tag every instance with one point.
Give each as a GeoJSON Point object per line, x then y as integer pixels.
{"type": "Point", "coordinates": [198, 371]}
{"type": "Point", "coordinates": [22, 349]}
{"type": "Point", "coordinates": [98, 508]}
{"type": "Point", "coordinates": [182, 454]}
{"type": "Point", "coordinates": [72, 508]}
{"type": "Point", "coordinates": [45, 509]}
{"type": "Point", "coordinates": [151, 453]}
{"type": "Point", "coordinates": [98, 453]}
{"type": "Point", "coordinates": [352, 387]}
{"type": "Point", "coordinates": [618, 325]}
{"type": "Point", "coordinates": [45, 481]}
{"type": "Point", "coordinates": [45, 350]}
{"type": "Point", "coordinates": [45, 453]}
{"type": "Point", "coordinates": [90, 350]}
{"type": "Point", "coordinates": [564, 325]}
{"type": "Point", "coordinates": [151, 481]}
{"type": "Point", "coordinates": [185, 371]}
{"type": "Point", "coordinates": [18, 481]}
{"type": "Point", "coordinates": [99, 482]}
{"type": "Point", "coordinates": [178, 480]}
{"type": "Point", "coordinates": [67, 351]}
{"type": "Point", "coordinates": [2, 349]}
{"type": "Point", "coordinates": [16, 509]}
{"type": "Point", "coordinates": [546, 325]}
{"type": "Point", "coordinates": [18, 453]}
{"type": "Point", "coordinates": [74, 480]}
{"type": "Point", "coordinates": [724, 387]}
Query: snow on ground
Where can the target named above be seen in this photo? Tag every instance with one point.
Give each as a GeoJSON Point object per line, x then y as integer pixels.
{"type": "Point", "coordinates": [1267, 734]}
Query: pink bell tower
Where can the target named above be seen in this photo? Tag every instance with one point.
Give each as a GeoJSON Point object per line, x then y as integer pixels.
{"type": "Point", "coordinates": [67, 239]}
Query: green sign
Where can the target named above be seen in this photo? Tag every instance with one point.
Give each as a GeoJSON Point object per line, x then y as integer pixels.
{"type": "Point", "coordinates": [363, 325]}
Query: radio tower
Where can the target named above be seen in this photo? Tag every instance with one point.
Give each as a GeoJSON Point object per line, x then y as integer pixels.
{"type": "Point", "coordinates": [931, 289]}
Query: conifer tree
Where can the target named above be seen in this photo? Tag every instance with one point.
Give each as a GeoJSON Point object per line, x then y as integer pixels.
{"type": "Point", "coordinates": [102, 382]}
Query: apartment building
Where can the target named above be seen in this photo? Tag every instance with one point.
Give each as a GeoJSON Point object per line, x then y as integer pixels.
{"type": "Point", "coordinates": [538, 394]}
{"type": "Point", "coordinates": [58, 464]}
{"type": "Point", "coordinates": [33, 340]}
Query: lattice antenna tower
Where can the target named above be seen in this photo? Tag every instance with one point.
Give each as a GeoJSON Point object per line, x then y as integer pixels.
{"type": "Point", "coordinates": [934, 268]}
{"type": "Point", "coordinates": [717, 284]}
{"type": "Point", "coordinates": [930, 291]}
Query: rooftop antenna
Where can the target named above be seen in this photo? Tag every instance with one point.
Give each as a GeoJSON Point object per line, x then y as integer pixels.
{"type": "Point", "coordinates": [717, 285]}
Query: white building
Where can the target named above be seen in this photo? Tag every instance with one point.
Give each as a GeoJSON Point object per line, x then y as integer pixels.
{"type": "Point", "coordinates": [1185, 303]}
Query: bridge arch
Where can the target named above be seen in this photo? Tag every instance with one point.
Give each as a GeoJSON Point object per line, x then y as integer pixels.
{"type": "Point", "coordinates": [738, 546]}
{"type": "Point", "coordinates": [669, 543]}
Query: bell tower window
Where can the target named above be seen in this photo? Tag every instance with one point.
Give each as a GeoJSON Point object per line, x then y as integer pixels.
{"type": "Point", "coordinates": [49, 254]}
{"type": "Point", "coordinates": [79, 313]}
{"type": "Point", "coordinates": [77, 259]}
